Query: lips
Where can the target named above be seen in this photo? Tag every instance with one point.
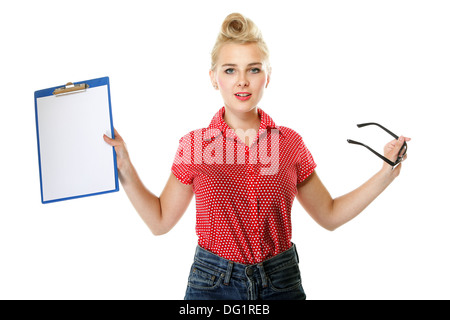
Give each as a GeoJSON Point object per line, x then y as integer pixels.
{"type": "Point", "coordinates": [243, 96]}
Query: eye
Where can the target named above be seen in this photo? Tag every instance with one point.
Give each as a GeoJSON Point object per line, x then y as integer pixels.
{"type": "Point", "coordinates": [255, 70]}
{"type": "Point", "coordinates": [229, 71]}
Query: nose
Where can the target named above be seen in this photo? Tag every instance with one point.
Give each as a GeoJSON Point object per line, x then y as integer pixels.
{"type": "Point", "coordinates": [242, 81]}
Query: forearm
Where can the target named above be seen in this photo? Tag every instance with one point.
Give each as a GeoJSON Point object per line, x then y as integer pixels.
{"type": "Point", "coordinates": [350, 205]}
{"type": "Point", "coordinates": [144, 201]}
{"type": "Point", "coordinates": [332, 213]}
{"type": "Point", "coordinates": [161, 213]}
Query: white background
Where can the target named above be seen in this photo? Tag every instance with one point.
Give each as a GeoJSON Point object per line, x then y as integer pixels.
{"type": "Point", "coordinates": [335, 64]}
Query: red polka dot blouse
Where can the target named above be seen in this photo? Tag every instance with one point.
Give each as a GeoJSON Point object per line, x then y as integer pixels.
{"type": "Point", "coordinates": [244, 195]}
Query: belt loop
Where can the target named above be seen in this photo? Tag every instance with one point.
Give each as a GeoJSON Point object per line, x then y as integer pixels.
{"type": "Point", "coordinates": [228, 274]}
{"type": "Point", "coordinates": [263, 274]}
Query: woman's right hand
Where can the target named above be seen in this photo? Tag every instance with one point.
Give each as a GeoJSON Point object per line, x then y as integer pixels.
{"type": "Point", "coordinates": [123, 159]}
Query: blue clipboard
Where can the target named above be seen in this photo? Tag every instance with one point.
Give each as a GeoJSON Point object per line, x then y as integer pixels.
{"type": "Point", "coordinates": [74, 160]}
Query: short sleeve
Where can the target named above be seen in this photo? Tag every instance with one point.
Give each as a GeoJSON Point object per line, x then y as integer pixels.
{"type": "Point", "coordinates": [182, 164]}
{"type": "Point", "coordinates": [305, 164]}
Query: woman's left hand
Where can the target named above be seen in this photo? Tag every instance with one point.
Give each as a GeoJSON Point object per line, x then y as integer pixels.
{"type": "Point", "coordinates": [391, 151]}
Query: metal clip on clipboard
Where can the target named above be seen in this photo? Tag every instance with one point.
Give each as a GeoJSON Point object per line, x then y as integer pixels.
{"type": "Point", "coordinates": [71, 88]}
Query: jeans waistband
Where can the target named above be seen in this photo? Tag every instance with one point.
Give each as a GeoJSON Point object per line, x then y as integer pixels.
{"type": "Point", "coordinates": [242, 271]}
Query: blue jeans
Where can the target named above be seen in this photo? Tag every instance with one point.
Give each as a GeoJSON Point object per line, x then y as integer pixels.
{"type": "Point", "coordinates": [216, 278]}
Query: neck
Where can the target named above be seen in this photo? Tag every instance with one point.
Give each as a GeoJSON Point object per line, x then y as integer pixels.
{"type": "Point", "coordinates": [242, 120]}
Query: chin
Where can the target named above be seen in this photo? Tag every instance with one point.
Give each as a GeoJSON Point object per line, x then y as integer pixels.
{"type": "Point", "coordinates": [241, 107]}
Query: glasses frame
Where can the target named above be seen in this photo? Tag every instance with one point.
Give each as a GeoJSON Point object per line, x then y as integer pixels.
{"type": "Point", "coordinates": [401, 153]}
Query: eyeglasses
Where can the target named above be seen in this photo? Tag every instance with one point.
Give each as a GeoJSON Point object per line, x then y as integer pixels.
{"type": "Point", "coordinates": [401, 154]}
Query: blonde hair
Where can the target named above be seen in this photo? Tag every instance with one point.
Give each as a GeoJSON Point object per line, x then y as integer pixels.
{"type": "Point", "coordinates": [238, 29]}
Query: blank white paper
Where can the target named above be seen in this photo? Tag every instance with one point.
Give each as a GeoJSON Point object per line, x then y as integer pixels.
{"type": "Point", "coordinates": [74, 158]}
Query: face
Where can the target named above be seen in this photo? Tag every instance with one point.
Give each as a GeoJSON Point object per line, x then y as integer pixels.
{"type": "Point", "coordinates": [241, 76]}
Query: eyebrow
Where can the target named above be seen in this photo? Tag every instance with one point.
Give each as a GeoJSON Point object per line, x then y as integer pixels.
{"type": "Point", "coordinates": [235, 65]}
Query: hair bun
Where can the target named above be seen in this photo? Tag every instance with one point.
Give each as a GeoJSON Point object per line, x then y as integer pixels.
{"type": "Point", "coordinates": [234, 25]}
{"type": "Point", "coordinates": [237, 27]}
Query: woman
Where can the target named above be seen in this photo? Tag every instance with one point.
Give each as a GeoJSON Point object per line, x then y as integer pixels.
{"type": "Point", "coordinates": [245, 172]}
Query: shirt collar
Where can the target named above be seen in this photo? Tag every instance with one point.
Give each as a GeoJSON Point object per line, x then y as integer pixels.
{"type": "Point", "coordinates": [217, 122]}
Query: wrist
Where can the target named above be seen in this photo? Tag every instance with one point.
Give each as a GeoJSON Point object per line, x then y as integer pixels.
{"type": "Point", "coordinates": [388, 172]}
{"type": "Point", "coordinates": [126, 172]}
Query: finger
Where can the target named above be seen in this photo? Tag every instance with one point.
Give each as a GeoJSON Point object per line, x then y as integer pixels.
{"type": "Point", "coordinates": [392, 149]}
{"type": "Point", "coordinates": [111, 142]}
{"type": "Point", "coordinates": [392, 144]}
{"type": "Point", "coordinates": [399, 143]}
{"type": "Point", "coordinates": [107, 139]}
{"type": "Point", "coordinates": [401, 153]}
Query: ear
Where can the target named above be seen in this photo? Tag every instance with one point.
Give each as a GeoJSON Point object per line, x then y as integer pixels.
{"type": "Point", "coordinates": [268, 79]}
{"type": "Point", "coordinates": [212, 75]}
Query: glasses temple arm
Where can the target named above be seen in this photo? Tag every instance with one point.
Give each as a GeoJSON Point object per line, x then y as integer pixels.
{"type": "Point", "coordinates": [376, 153]}
{"type": "Point", "coordinates": [379, 125]}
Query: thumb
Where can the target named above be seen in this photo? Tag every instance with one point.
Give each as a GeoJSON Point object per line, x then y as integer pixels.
{"type": "Point", "coordinates": [110, 141]}
{"type": "Point", "coordinates": [399, 143]}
